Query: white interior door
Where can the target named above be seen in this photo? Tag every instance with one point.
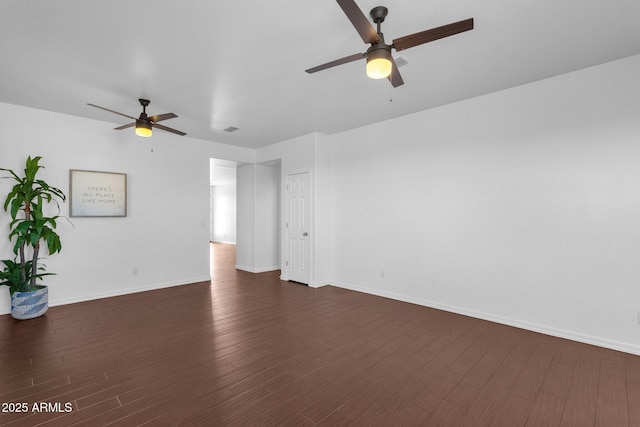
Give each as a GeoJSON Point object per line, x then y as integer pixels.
{"type": "Point", "coordinates": [297, 227]}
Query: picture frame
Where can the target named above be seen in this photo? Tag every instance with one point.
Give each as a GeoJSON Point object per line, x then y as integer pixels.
{"type": "Point", "coordinates": [97, 194]}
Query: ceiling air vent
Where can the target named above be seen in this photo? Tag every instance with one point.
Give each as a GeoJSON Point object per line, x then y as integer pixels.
{"type": "Point", "coordinates": [400, 61]}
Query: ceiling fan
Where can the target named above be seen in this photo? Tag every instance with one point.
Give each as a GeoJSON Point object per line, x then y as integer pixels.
{"type": "Point", "coordinates": [380, 64]}
{"type": "Point", "coordinates": [144, 123]}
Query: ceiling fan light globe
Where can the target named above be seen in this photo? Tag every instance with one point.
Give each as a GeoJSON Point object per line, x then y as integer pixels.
{"type": "Point", "coordinates": [143, 132]}
{"type": "Point", "coordinates": [378, 68]}
{"type": "Point", "coordinates": [143, 128]}
{"type": "Point", "coordinates": [379, 63]}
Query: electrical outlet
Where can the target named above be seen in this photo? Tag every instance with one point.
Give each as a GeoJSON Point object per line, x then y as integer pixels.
{"type": "Point", "coordinates": [135, 271]}
{"type": "Point", "coordinates": [382, 274]}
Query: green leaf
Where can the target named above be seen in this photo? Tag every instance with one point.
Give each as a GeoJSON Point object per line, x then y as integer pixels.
{"type": "Point", "coordinates": [29, 195]}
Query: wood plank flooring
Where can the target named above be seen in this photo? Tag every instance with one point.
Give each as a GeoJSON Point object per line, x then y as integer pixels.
{"type": "Point", "coordinates": [248, 349]}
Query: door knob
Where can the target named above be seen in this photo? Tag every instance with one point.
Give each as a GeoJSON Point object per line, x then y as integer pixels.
{"type": "Point", "coordinates": [305, 234]}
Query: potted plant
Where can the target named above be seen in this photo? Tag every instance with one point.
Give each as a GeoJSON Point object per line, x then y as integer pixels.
{"type": "Point", "coordinates": [28, 228]}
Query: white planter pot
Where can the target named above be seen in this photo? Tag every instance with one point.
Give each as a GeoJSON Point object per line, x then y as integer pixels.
{"type": "Point", "coordinates": [30, 304]}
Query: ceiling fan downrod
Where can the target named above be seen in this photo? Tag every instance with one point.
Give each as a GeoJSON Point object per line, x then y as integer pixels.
{"type": "Point", "coordinates": [145, 103]}
{"type": "Point", "coordinates": [378, 14]}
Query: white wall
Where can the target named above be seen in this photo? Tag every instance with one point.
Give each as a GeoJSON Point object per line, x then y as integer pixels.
{"type": "Point", "coordinates": [258, 216]}
{"type": "Point", "coordinates": [520, 206]}
{"type": "Point", "coordinates": [267, 218]}
{"type": "Point", "coordinates": [322, 215]}
{"type": "Point", "coordinates": [166, 232]}
{"type": "Point", "coordinates": [245, 217]}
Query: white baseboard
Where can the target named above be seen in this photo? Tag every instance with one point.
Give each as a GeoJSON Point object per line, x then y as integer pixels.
{"type": "Point", "coordinates": [109, 294]}
{"type": "Point", "coordinates": [257, 270]}
{"type": "Point", "coordinates": [543, 329]}
{"type": "Point", "coordinates": [319, 284]}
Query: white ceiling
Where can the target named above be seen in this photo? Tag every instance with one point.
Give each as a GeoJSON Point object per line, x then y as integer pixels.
{"type": "Point", "coordinates": [241, 63]}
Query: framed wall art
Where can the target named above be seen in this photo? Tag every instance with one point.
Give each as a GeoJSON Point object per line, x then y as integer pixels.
{"type": "Point", "coordinates": [97, 194]}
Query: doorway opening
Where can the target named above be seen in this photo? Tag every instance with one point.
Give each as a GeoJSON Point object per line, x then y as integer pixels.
{"type": "Point", "coordinates": [222, 202]}
{"type": "Point", "coordinates": [222, 214]}
{"type": "Point", "coordinates": [245, 212]}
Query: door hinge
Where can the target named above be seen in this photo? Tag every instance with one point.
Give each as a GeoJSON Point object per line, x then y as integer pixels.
{"type": "Point", "coordinates": [286, 263]}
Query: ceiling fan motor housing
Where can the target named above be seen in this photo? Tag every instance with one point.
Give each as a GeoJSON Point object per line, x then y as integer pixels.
{"type": "Point", "coordinates": [143, 126]}
{"type": "Point", "coordinates": [379, 50]}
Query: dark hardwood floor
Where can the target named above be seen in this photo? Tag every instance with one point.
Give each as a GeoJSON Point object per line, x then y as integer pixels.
{"type": "Point", "coordinates": [247, 349]}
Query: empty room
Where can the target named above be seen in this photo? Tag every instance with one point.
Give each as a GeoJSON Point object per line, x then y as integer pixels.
{"type": "Point", "coordinates": [436, 215]}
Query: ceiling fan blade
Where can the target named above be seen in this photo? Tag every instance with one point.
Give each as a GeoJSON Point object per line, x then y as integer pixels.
{"type": "Point", "coordinates": [168, 129]}
{"type": "Point", "coordinates": [111, 111]}
{"type": "Point", "coordinates": [160, 117]}
{"type": "Point", "coordinates": [395, 78]}
{"type": "Point", "coordinates": [359, 21]}
{"type": "Point", "coordinates": [433, 34]}
{"type": "Point", "coordinates": [129, 125]}
{"type": "Point", "coordinates": [341, 61]}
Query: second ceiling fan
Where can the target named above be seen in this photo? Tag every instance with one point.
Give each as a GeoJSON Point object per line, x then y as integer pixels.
{"type": "Point", "coordinates": [380, 63]}
{"type": "Point", "coordinates": [144, 124]}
